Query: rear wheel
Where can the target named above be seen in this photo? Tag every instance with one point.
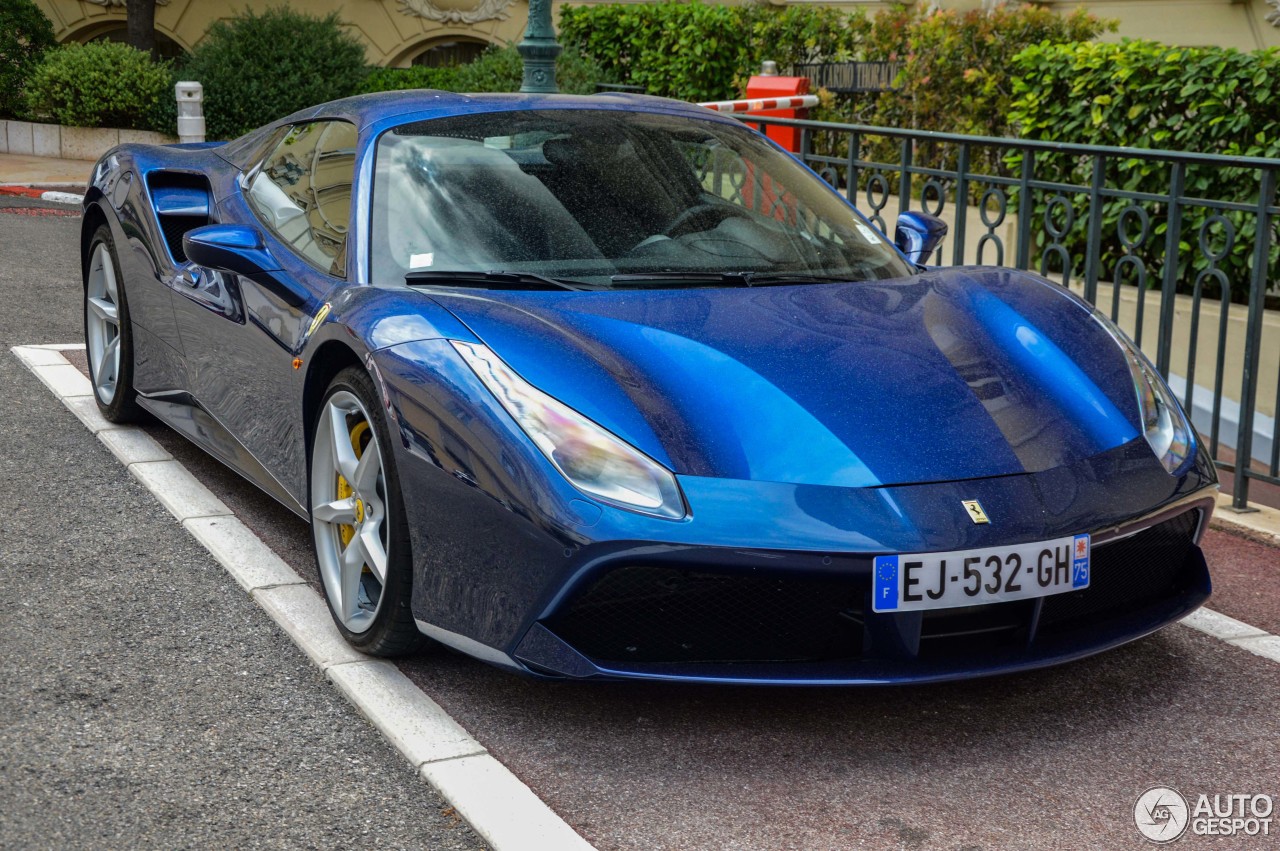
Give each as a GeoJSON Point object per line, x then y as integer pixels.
{"type": "Point", "coordinates": [108, 336]}
{"type": "Point", "coordinates": [358, 521]}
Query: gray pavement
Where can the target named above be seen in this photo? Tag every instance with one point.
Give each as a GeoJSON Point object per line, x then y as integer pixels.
{"type": "Point", "coordinates": [146, 701]}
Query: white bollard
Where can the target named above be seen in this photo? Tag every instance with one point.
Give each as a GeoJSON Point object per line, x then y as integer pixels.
{"type": "Point", "coordinates": [190, 111]}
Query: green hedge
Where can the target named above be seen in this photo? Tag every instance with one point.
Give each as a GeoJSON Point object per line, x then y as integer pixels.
{"type": "Point", "coordinates": [957, 67]}
{"type": "Point", "coordinates": [259, 67]}
{"type": "Point", "coordinates": [25, 35]}
{"type": "Point", "coordinates": [103, 84]}
{"type": "Point", "coordinates": [697, 51]}
{"type": "Point", "coordinates": [498, 69]}
{"type": "Point", "coordinates": [417, 77]}
{"type": "Point", "coordinates": [1148, 95]}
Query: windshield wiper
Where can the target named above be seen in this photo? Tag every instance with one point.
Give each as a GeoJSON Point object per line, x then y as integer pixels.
{"type": "Point", "coordinates": [764, 279]}
{"type": "Point", "coordinates": [726, 279]}
{"type": "Point", "coordinates": [496, 280]}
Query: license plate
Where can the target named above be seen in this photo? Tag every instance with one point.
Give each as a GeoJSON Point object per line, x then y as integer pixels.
{"type": "Point", "coordinates": [915, 581]}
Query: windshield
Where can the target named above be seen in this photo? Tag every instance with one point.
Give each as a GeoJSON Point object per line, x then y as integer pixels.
{"type": "Point", "coordinates": [608, 199]}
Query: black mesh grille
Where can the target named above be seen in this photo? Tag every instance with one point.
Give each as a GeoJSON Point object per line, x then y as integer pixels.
{"type": "Point", "coordinates": [661, 614]}
{"type": "Point", "coordinates": [946, 633]}
{"type": "Point", "coordinates": [174, 227]}
{"type": "Point", "coordinates": [1127, 574]}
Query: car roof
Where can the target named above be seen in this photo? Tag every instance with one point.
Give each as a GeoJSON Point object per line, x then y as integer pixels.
{"type": "Point", "coordinates": [422, 104]}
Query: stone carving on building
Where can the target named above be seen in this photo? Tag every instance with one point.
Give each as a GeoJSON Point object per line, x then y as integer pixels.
{"type": "Point", "coordinates": [484, 10]}
{"type": "Point", "coordinates": [1273, 17]}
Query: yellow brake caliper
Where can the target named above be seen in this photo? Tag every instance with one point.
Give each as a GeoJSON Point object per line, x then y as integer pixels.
{"type": "Point", "coordinates": [347, 532]}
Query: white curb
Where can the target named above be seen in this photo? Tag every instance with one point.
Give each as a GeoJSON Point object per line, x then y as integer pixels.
{"type": "Point", "coordinates": [175, 487]}
{"type": "Point", "coordinates": [413, 722]}
{"type": "Point", "coordinates": [16, 190]}
{"type": "Point", "coordinates": [249, 561]}
{"type": "Point", "coordinates": [56, 197]}
{"type": "Point", "coordinates": [130, 445]}
{"type": "Point", "coordinates": [499, 807]}
{"type": "Point", "coordinates": [484, 792]}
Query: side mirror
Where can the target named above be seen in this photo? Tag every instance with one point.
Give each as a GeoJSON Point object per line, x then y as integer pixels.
{"type": "Point", "coordinates": [229, 248]}
{"type": "Point", "coordinates": [917, 235]}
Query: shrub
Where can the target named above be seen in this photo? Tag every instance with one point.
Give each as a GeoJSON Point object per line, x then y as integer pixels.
{"type": "Point", "coordinates": [1148, 95]}
{"type": "Point", "coordinates": [259, 67]}
{"type": "Point", "coordinates": [417, 77]}
{"type": "Point", "coordinates": [696, 51]}
{"type": "Point", "coordinates": [25, 34]}
{"type": "Point", "coordinates": [957, 67]}
{"type": "Point", "coordinates": [498, 69]}
{"type": "Point", "coordinates": [103, 84]}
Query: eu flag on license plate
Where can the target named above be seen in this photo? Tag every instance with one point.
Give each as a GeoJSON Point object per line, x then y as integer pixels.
{"type": "Point", "coordinates": [886, 584]}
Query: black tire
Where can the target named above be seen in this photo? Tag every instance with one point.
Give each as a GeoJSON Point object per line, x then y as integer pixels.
{"type": "Point", "coordinates": [392, 631]}
{"type": "Point", "coordinates": [123, 406]}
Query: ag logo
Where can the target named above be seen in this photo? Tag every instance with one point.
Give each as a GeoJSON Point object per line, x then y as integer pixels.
{"type": "Point", "coordinates": [1161, 814]}
{"type": "Point", "coordinates": [976, 514]}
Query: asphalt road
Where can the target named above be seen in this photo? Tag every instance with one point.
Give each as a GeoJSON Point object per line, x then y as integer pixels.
{"type": "Point", "coordinates": [146, 701]}
{"type": "Point", "coordinates": [1052, 759]}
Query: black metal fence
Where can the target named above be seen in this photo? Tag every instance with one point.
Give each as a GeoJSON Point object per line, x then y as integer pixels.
{"type": "Point", "coordinates": [1127, 223]}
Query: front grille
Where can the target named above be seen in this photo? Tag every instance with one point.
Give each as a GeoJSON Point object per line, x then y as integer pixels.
{"type": "Point", "coordinates": [948, 633]}
{"type": "Point", "coordinates": [663, 614]}
{"type": "Point", "coordinates": [1127, 574]}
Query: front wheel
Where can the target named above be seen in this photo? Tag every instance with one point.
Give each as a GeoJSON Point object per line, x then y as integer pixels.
{"type": "Point", "coordinates": [108, 336]}
{"type": "Point", "coordinates": [358, 521]}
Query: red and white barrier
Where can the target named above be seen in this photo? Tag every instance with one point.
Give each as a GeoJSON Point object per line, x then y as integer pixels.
{"type": "Point", "coordinates": [762, 104]}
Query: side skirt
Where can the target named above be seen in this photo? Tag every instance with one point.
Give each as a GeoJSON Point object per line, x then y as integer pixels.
{"type": "Point", "coordinates": [181, 412]}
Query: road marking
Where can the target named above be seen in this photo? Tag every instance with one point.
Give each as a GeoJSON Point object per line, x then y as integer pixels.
{"type": "Point", "coordinates": [1235, 632]}
{"type": "Point", "coordinates": [504, 811]}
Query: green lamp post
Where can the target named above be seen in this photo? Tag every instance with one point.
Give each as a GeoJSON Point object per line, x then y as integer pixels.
{"type": "Point", "coordinates": [539, 50]}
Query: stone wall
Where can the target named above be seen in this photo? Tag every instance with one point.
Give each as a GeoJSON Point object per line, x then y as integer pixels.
{"type": "Point", "coordinates": [70, 143]}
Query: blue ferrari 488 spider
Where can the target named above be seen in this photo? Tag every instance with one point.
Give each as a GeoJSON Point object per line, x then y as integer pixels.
{"type": "Point", "coordinates": [614, 387]}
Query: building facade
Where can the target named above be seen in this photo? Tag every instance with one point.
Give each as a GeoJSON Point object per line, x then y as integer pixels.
{"type": "Point", "coordinates": [440, 32]}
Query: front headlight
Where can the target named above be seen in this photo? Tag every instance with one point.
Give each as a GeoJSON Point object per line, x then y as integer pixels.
{"type": "Point", "coordinates": [1163, 424]}
{"type": "Point", "coordinates": [591, 458]}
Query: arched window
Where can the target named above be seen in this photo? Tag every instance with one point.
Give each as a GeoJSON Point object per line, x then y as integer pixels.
{"type": "Point", "coordinates": [455, 51]}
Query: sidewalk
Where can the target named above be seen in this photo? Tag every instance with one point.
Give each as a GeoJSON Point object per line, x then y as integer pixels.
{"type": "Point", "coordinates": [24, 170]}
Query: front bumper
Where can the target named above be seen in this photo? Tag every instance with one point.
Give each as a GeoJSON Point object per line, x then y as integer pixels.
{"type": "Point", "coordinates": [806, 619]}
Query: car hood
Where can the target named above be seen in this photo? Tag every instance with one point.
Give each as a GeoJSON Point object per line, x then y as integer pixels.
{"type": "Point", "coordinates": [949, 375]}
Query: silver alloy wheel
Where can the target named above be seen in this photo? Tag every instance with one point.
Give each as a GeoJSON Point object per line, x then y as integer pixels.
{"type": "Point", "coordinates": [348, 510]}
{"type": "Point", "coordinates": [102, 323]}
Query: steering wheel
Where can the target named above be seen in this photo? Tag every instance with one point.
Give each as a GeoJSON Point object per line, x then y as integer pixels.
{"type": "Point", "coordinates": [714, 213]}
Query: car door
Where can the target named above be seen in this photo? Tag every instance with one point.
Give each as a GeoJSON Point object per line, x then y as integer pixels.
{"type": "Point", "coordinates": [240, 336]}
